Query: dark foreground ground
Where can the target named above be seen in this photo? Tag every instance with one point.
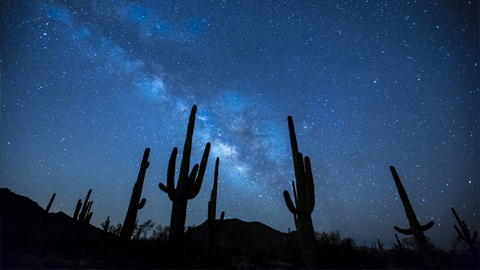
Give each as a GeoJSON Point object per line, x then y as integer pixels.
{"type": "Point", "coordinates": [32, 238]}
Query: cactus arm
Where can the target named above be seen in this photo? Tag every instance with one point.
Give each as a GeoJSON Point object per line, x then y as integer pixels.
{"type": "Point", "coordinates": [142, 203]}
{"type": "Point", "coordinates": [170, 188]}
{"type": "Point", "coordinates": [162, 187]}
{"type": "Point", "coordinates": [427, 226]}
{"type": "Point", "coordinates": [201, 173]}
{"type": "Point", "coordinates": [288, 201]}
{"type": "Point", "coordinates": [309, 186]}
{"type": "Point", "coordinates": [403, 231]}
{"type": "Point", "coordinates": [294, 192]}
{"type": "Point", "coordinates": [190, 181]}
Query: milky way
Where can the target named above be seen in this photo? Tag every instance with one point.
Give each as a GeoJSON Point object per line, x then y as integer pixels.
{"type": "Point", "coordinates": [86, 86]}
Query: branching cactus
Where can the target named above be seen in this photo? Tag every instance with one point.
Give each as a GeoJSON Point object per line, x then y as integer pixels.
{"type": "Point", "coordinates": [464, 234]}
{"type": "Point", "coordinates": [213, 225]}
{"type": "Point", "coordinates": [135, 202]}
{"type": "Point", "coordinates": [50, 202]}
{"type": "Point", "coordinates": [85, 215]}
{"type": "Point", "coordinates": [415, 227]}
{"type": "Point", "coordinates": [304, 196]}
{"type": "Point", "coordinates": [188, 185]}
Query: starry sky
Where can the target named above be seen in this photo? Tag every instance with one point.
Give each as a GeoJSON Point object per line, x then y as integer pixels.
{"type": "Point", "coordinates": [86, 86]}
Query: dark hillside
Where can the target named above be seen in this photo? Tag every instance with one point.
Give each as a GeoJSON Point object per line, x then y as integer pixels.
{"type": "Point", "coordinates": [31, 238]}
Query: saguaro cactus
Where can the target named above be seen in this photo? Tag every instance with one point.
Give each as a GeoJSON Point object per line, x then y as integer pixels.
{"type": "Point", "coordinates": [135, 203]}
{"type": "Point", "coordinates": [304, 196]}
{"type": "Point", "coordinates": [50, 202]}
{"type": "Point", "coordinates": [213, 225]}
{"type": "Point", "coordinates": [415, 227]}
{"type": "Point", "coordinates": [188, 185]}
{"type": "Point", "coordinates": [85, 215]}
{"type": "Point", "coordinates": [464, 234]}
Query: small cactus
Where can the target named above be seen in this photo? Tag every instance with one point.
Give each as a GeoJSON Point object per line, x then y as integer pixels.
{"type": "Point", "coordinates": [85, 215]}
{"type": "Point", "coordinates": [213, 225]}
{"type": "Point", "coordinates": [107, 224]}
{"type": "Point", "coordinates": [50, 203]}
{"type": "Point", "coordinates": [464, 234]}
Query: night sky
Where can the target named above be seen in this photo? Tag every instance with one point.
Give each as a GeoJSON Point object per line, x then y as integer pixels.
{"type": "Point", "coordinates": [86, 86]}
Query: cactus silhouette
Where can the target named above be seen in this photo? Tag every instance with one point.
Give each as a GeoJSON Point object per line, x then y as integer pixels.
{"type": "Point", "coordinates": [304, 196]}
{"type": "Point", "coordinates": [85, 215]}
{"type": "Point", "coordinates": [107, 224]}
{"type": "Point", "coordinates": [188, 185]}
{"type": "Point", "coordinates": [135, 203]}
{"type": "Point", "coordinates": [77, 209]}
{"type": "Point", "coordinates": [415, 227]}
{"type": "Point", "coordinates": [50, 202]}
{"type": "Point", "coordinates": [399, 244]}
{"type": "Point", "coordinates": [213, 225]}
{"type": "Point", "coordinates": [464, 234]}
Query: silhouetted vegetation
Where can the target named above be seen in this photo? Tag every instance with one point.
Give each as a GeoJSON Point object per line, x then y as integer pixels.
{"type": "Point", "coordinates": [213, 225]}
{"type": "Point", "coordinates": [50, 202]}
{"type": "Point", "coordinates": [34, 238]}
{"type": "Point", "coordinates": [85, 215]}
{"type": "Point", "coordinates": [304, 196]}
{"type": "Point", "coordinates": [415, 228]}
{"type": "Point", "coordinates": [135, 202]}
{"type": "Point", "coordinates": [464, 234]}
{"type": "Point", "coordinates": [188, 185]}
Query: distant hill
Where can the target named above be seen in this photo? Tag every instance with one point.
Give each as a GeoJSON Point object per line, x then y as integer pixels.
{"type": "Point", "coordinates": [32, 238]}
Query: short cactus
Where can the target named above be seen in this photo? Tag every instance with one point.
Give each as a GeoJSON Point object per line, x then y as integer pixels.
{"type": "Point", "coordinates": [464, 234]}
{"type": "Point", "coordinates": [107, 224]}
{"type": "Point", "coordinates": [135, 202]}
{"type": "Point", "coordinates": [85, 215]}
{"type": "Point", "coordinates": [213, 225]}
{"type": "Point", "coordinates": [50, 202]}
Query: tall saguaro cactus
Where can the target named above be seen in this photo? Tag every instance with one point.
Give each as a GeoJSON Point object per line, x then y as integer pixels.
{"type": "Point", "coordinates": [135, 203]}
{"type": "Point", "coordinates": [415, 227]}
{"type": "Point", "coordinates": [213, 225]}
{"type": "Point", "coordinates": [188, 185]}
{"type": "Point", "coordinates": [304, 196]}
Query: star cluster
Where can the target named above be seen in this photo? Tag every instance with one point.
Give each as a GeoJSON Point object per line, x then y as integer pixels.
{"type": "Point", "coordinates": [88, 85]}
